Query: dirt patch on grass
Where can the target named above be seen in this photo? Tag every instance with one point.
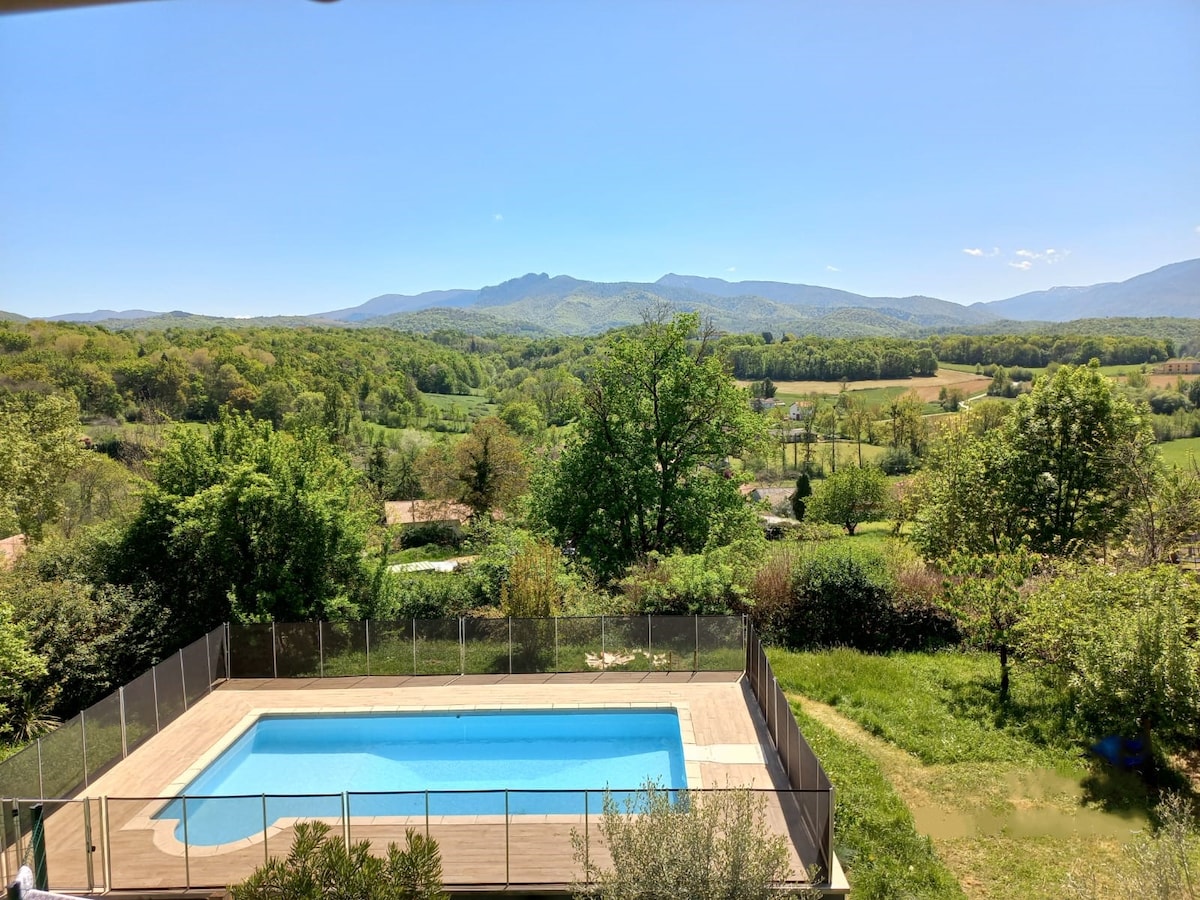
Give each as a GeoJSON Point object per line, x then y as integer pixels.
{"type": "Point", "coordinates": [1004, 832]}
{"type": "Point", "coordinates": [926, 388]}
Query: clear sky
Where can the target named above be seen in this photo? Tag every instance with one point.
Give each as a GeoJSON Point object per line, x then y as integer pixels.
{"type": "Point", "coordinates": [240, 157]}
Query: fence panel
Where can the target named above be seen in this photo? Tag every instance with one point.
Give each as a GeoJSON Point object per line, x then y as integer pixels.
{"type": "Point", "coordinates": [390, 648]}
{"type": "Point", "coordinates": [20, 776]}
{"type": "Point", "coordinates": [719, 644]}
{"type": "Point", "coordinates": [673, 643]}
{"type": "Point", "coordinates": [141, 711]}
{"type": "Point", "coordinates": [139, 861]}
{"type": "Point", "coordinates": [533, 646]}
{"type": "Point", "coordinates": [64, 828]}
{"type": "Point", "coordinates": [344, 648]}
{"type": "Point", "coordinates": [297, 649]}
{"type": "Point", "coordinates": [627, 643]}
{"type": "Point", "coordinates": [251, 651]}
{"type": "Point", "coordinates": [218, 653]}
{"type": "Point", "coordinates": [580, 644]}
{"type": "Point", "coordinates": [62, 760]}
{"type": "Point", "coordinates": [486, 646]}
{"type": "Point", "coordinates": [168, 685]}
{"type": "Point", "coordinates": [436, 649]}
{"type": "Point", "coordinates": [196, 681]}
{"type": "Point", "coordinates": [102, 731]}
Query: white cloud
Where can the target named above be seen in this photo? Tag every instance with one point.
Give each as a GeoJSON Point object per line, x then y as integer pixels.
{"type": "Point", "coordinates": [972, 251]}
{"type": "Point", "coordinates": [497, 217]}
{"type": "Point", "coordinates": [1198, 229]}
{"type": "Point", "coordinates": [731, 269]}
{"type": "Point", "coordinates": [832, 269]}
{"type": "Point", "coordinates": [1024, 265]}
{"type": "Point", "coordinates": [1048, 256]}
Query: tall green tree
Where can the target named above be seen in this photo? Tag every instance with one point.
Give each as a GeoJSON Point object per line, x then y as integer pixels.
{"type": "Point", "coordinates": [486, 469]}
{"type": "Point", "coordinates": [39, 446]}
{"type": "Point", "coordinates": [247, 522]}
{"type": "Point", "coordinates": [20, 667]}
{"type": "Point", "coordinates": [854, 495]}
{"type": "Point", "coordinates": [1071, 467]}
{"type": "Point", "coordinates": [645, 471]}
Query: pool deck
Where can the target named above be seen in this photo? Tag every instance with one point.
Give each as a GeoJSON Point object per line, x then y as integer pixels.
{"type": "Point", "coordinates": [725, 744]}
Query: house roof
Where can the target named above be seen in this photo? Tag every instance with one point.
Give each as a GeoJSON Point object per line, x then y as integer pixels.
{"type": "Point", "coordinates": [11, 549]}
{"type": "Point", "coordinates": [412, 512]}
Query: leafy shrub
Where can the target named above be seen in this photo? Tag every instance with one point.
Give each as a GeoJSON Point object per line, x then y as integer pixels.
{"type": "Point", "coordinates": [898, 461]}
{"type": "Point", "coordinates": [706, 584]}
{"type": "Point", "coordinates": [321, 867]}
{"type": "Point", "coordinates": [703, 846]}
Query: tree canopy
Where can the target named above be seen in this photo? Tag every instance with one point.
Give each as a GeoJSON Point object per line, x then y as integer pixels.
{"type": "Point", "coordinates": [646, 470]}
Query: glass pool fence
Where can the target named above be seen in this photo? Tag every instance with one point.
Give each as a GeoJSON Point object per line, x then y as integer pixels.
{"type": "Point", "coordinates": [487, 646]}
{"type": "Point", "coordinates": [486, 838]}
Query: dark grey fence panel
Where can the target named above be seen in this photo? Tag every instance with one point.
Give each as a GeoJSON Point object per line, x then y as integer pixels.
{"type": "Point", "coordinates": [437, 647]}
{"type": "Point", "coordinates": [344, 649]}
{"type": "Point", "coordinates": [62, 761]}
{"type": "Point", "coordinates": [390, 648]}
{"type": "Point", "coordinates": [195, 664]}
{"type": "Point", "coordinates": [168, 690]}
{"type": "Point", "coordinates": [105, 742]}
{"type": "Point", "coordinates": [251, 651]}
{"type": "Point", "coordinates": [141, 711]}
{"type": "Point", "coordinates": [486, 647]}
{"type": "Point", "coordinates": [297, 649]}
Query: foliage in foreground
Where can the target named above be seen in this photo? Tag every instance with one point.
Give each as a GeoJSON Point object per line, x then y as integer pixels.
{"type": "Point", "coordinates": [1164, 864]}
{"type": "Point", "coordinates": [703, 846]}
{"type": "Point", "coordinates": [320, 867]}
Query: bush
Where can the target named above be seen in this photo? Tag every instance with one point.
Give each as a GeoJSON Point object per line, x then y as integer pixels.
{"type": "Point", "coordinates": [706, 584]}
{"type": "Point", "coordinates": [703, 846]}
{"type": "Point", "coordinates": [898, 461]}
{"type": "Point", "coordinates": [320, 867]}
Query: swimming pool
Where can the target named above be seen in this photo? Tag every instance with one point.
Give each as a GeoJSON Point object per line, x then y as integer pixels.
{"type": "Point", "coordinates": [471, 762]}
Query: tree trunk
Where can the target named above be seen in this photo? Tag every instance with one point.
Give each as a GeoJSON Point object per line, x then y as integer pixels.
{"type": "Point", "coordinates": [1004, 673]}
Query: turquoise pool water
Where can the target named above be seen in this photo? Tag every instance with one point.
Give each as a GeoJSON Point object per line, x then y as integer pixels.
{"type": "Point", "coordinates": [459, 763]}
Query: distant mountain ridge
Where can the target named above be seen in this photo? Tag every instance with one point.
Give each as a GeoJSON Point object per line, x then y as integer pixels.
{"type": "Point", "coordinates": [536, 304]}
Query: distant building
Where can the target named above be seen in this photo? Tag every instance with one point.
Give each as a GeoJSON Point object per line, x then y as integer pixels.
{"type": "Point", "coordinates": [1178, 367]}
{"type": "Point", "coordinates": [11, 549]}
{"type": "Point", "coordinates": [761, 404]}
{"type": "Point", "coordinates": [426, 512]}
{"type": "Point", "coordinates": [800, 411]}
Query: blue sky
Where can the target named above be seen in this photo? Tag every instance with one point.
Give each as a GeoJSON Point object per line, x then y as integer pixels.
{"type": "Point", "coordinates": [241, 157]}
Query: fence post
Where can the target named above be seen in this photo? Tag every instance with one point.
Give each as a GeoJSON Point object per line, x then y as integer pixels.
{"type": "Point", "coordinates": [510, 671]}
{"type": "Point", "coordinates": [41, 778]}
{"type": "Point", "coordinates": [228, 652]}
{"type": "Point", "coordinates": [346, 819]}
{"type": "Point", "coordinates": [183, 680]}
{"type": "Point", "coordinates": [187, 862]}
{"type": "Point", "coordinates": [208, 660]}
{"type": "Point", "coordinates": [154, 684]}
{"type": "Point", "coordinates": [827, 850]}
{"type": "Point", "coordinates": [124, 733]}
{"type": "Point", "coordinates": [587, 841]}
{"type": "Point", "coordinates": [414, 645]}
{"type": "Point", "coordinates": [320, 649]}
{"type": "Point", "coordinates": [83, 738]}
{"type": "Point", "coordinates": [105, 845]}
{"type": "Point", "coordinates": [274, 652]}
{"type": "Point", "coordinates": [556, 643]}
{"type": "Point", "coordinates": [89, 848]}
{"type": "Point", "coordinates": [696, 654]}
{"type": "Point", "coordinates": [462, 645]}
{"type": "Point", "coordinates": [603, 666]}
{"type": "Point", "coordinates": [650, 641]}
{"type": "Point", "coordinates": [367, 642]}
{"type": "Point", "coordinates": [266, 849]}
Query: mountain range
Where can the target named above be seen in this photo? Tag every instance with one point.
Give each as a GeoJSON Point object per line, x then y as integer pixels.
{"type": "Point", "coordinates": [539, 304]}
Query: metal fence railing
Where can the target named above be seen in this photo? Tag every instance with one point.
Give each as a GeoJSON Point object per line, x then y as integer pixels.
{"type": "Point", "coordinates": [76, 753]}
{"type": "Point", "coordinates": [487, 646]}
{"type": "Point", "coordinates": [487, 838]}
{"type": "Point", "coordinates": [804, 771]}
{"type": "Point", "coordinates": [67, 760]}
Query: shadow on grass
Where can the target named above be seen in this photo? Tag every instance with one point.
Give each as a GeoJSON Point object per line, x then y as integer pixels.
{"type": "Point", "coordinates": [1034, 712]}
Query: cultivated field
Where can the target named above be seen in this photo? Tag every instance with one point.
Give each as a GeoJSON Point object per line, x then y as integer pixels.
{"type": "Point", "coordinates": [926, 388]}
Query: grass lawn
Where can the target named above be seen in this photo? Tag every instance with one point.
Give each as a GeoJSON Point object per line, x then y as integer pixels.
{"type": "Point", "coordinates": [1184, 452]}
{"type": "Point", "coordinates": [1007, 795]}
